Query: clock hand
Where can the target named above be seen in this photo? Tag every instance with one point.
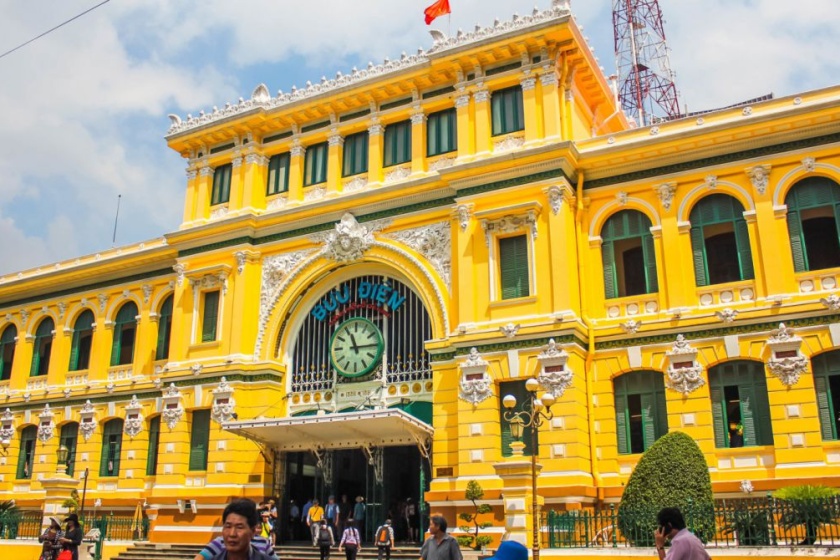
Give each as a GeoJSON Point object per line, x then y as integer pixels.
{"type": "Point", "coordinates": [355, 346]}
{"type": "Point", "coordinates": [367, 346]}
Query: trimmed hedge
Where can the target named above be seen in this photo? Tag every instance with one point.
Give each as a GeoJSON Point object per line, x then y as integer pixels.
{"type": "Point", "coordinates": [671, 473]}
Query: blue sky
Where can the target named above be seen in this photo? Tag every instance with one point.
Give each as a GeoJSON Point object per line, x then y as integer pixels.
{"type": "Point", "coordinates": [84, 110]}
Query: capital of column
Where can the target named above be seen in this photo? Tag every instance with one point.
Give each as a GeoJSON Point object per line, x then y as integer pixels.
{"type": "Point", "coordinates": [335, 139]}
{"type": "Point", "coordinates": [191, 174]}
{"type": "Point", "coordinates": [297, 150]}
{"type": "Point", "coordinates": [482, 96]}
{"type": "Point", "coordinates": [375, 128]}
{"type": "Point", "coordinates": [205, 171]}
{"type": "Point", "coordinates": [418, 118]}
{"type": "Point", "coordinates": [259, 159]}
{"type": "Point", "coordinates": [549, 78]}
{"type": "Point", "coordinates": [462, 101]}
{"type": "Point", "coordinates": [236, 162]}
{"type": "Point", "coordinates": [528, 83]}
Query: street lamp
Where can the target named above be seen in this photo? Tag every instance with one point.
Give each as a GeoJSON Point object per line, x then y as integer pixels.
{"type": "Point", "coordinates": [535, 411]}
{"type": "Point", "coordinates": [62, 453]}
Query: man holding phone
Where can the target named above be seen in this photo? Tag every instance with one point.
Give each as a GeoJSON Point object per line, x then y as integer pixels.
{"type": "Point", "coordinates": [684, 545]}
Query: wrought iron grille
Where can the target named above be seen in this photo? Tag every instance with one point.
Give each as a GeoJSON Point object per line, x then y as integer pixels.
{"type": "Point", "coordinates": [404, 331]}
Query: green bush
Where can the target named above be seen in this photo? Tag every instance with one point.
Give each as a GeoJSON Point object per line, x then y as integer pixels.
{"type": "Point", "coordinates": [671, 473]}
{"type": "Point", "coordinates": [474, 493]}
{"type": "Point", "coordinates": [810, 506]}
{"type": "Point", "coordinates": [751, 526]}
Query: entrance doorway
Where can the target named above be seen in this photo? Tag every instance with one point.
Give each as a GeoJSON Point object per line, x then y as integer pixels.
{"type": "Point", "coordinates": [394, 489]}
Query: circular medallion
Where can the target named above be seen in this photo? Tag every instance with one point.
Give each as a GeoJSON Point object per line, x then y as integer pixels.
{"type": "Point", "coordinates": [356, 347]}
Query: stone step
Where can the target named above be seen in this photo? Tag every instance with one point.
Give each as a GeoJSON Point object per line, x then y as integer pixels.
{"type": "Point", "coordinates": [152, 551]}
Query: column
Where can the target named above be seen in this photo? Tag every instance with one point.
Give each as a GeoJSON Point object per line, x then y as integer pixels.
{"type": "Point", "coordinates": [466, 132]}
{"type": "Point", "coordinates": [418, 141]}
{"type": "Point", "coordinates": [757, 256]}
{"type": "Point", "coordinates": [518, 496]}
{"type": "Point", "coordinates": [375, 147]}
{"type": "Point", "coordinates": [335, 161]}
{"type": "Point", "coordinates": [532, 110]}
{"type": "Point", "coordinates": [254, 182]}
{"type": "Point", "coordinates": [483, 121]}
{"type": "Point", "coordinates": [296, 169]}
{"type": "Point", "coordinates": [204, 187]}
{"type": "Point", "coordinates": [237, 183]}
{"type": "Point", "coordinates": [550, 103]}
{"type": "Point", "coordinates": [191, 194]}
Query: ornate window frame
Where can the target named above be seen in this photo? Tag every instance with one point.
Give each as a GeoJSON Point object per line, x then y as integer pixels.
{"type": "Point", "coordinates": [203, 280]}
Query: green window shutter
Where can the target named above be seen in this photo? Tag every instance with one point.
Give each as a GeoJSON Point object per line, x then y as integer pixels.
{"type": "Point", "coordinates": [513, 259]}
{"type": "Point", "coordinates": [210, 316]}
{"type": "Point", "coordinates": [126, 321]}
{"type": "Point", "coordinates": [69, 437]}
{"type": "Point", "coordinates": [74, 351]}
{"type": "Point", "coordinates": [719, 418]}
{"type": "Point", "coordinates": [355, 154]}
{"type": "Point", "coordinates": [648, 419]}
{"type": "Point", "coordinates": [164, 329]}
{"type": "Point", "coordinates": [698, 251]}
{"type": "Point", "coordinates": [661, 411]}
{"type": "Point", "coordinates": [221, 184]}
{"type": "Point", "coordinates": [315, 165]}
{"type": "Point", "coordinates": [397, 143]}
{"type": "Point", "coordinates": [608, 260]}
{"type": "Point", "coordinates": [26, 459]}
{"type": "Point", "coordinates": [742, 241]}
{"type": "Point", "coordinates": [109, 463]}
{"type": "Point", "coordinates": [199, 440]}
{"type": "Point", "coordinates": [621, 423]}
{"type": "Point", "coordinates": [154, 443]}
{"type": "Point", "coordinates": [36, 358]}
{"type": "Point", "coordinates": [278, 174]}
{"type": "Point", "coordinates": [507, 110]}
{"type": "Point", "coordinates": [116, 345]}
{"type": "Point", "coordinates": [7, 352]}
{"type": "Point", "coordinates": [746, 393]}
{"type": "Point", "coordinates": [824, 404]}
{"type": "Point", "coordinates": [441, 133]}
{"type": "Point", "coordinates": [497, 110]}
{"type": "Point", "coordinates": [797, 243]}
{"type": "Point", "coordinates": [649, 253]}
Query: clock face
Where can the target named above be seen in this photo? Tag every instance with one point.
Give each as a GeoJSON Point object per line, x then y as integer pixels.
{"type": "Point", "coordinates": [356, 347]}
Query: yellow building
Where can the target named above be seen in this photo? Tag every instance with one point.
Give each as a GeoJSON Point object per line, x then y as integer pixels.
{"type": "Point", "coordinates": [367, 265]}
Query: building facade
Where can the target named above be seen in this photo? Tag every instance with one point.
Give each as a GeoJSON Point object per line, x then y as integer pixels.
{"type": "Point", "coordinates": [368, 265]}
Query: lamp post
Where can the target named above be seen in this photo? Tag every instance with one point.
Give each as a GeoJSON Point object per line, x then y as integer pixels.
{"type": "Point", "coordinates": [535, 412]}
{"type": "Point", "coordinates": [61, 467]}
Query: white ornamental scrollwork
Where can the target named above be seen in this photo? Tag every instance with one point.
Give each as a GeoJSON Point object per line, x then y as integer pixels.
{"type": "Point", "coordinates": [133, 417]}
{"type": "Point", "coordinates": [464, 213]}
{"type": "Point", "coordinates": [349, 241]}
{"type": "Point", "coordinates": [759, 177]}
{"type": "Point", "coordinates": [87, 422]}
{"type": "Point", "coordinates": [727, 315]}
{"type": "Point", "coordinates": [510, 330]}
{"type": "Point", "coordinates": [666, 192]}
{"type": "Point", "coordinates": [172, 409]}
{"type": "Point", "coordinates": [46, 424]}
{"type": "Point", "coordinates": [832, 302]}
{"type": "Point", "coordinates": [786, 361]}
{"type": "Point", "coordinates": [224, 405]}
{"type": "Point", "coordinates": [554, 377]}
{"type": "Point", "coordinates": [509, 143]}
{"type": "Point", "coordinates": [475, 385]}
{"type": "Point", "coordinates": [7, 430]}
{"type": "Point", "coordinates": [810, 164]}
{"type": "Point", "coordinates": [631, 326]}
{"type": "Point", "coordinates": [684, 373]}
{"type": "Point", "coordinates": [434, 242]}
{"type": "Point", "coordinates": [510, 224]}
{"type": "Point", "coordinates": [555, 198]}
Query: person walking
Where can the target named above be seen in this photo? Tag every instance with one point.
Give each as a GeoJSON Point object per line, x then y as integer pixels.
{"type": "Point", "coordinates": [345, 512]}
{"type": "Point", "coordinates": [684, 545]}
{"type": "Point", "coordinates": [331, 514]}
{"type": "Point", "coordinates": [72, 535]}
{"type": "Point", "coordinates": [359, 511]}
{"type": "Point", "coordinates": [51, 540]}
{"type": "Point", "coordinates": [384, 539]}
{"type": "Point", "coordinates": [294, 520]}
{"type": "Point", "coordinates": [441, 545]}
{"type": "Point", "coordinates": [313, 520]}
{"type": "Point", "coordinates": [326, 539]}
{"type": "Point", "coordinates": [351, 540]}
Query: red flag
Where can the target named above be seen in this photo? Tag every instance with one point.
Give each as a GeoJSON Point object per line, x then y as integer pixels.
{"type": "Point", "coordinates": [439, 8]}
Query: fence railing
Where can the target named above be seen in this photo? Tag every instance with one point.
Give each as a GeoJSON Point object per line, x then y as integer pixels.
{"type": "Point", "coordinates": [733, 523]}
{"type": "Point", "coordinates": [28, 525]}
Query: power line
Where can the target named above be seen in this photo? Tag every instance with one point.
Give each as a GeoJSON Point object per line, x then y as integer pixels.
{"type": "Point", "coordinates": [53, 29]}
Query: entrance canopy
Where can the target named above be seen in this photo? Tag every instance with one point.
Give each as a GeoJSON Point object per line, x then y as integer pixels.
{"type": "Point", "coordinates": [345, 430]}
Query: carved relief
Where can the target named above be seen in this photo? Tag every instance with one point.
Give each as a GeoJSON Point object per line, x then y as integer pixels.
{"type": "Point", "coordinates": [554, 377]}
{"type": "Point", "coordinates": [87, 421]}
{"type": "Point", "coordinates": [442, 163]}
{"type": "Point", "coordinates": [172, 409]}
{"type": "Point", "coordinates": [666, 192]}
{"type": "Point", "coordinates": [759, 177]}
{"type": "Point", "coordinates": [397, 174]}
{"type": "Point", "coordinates": [630, 326]}
{"type": "Point", "coordinates": [786, 361]}
{"type": "Point", "coordinates": [434, 242]}
{"type": "Point", "coordinates": [355, 184]}
{"type": "Point", "coordinates": [349, 241]}
{"type": "Point", "coordinates": [46, 424]}
{"type": "Point", "coordinates": [684, 373]}
{"type": "Point", "coordinates": [224, 405]}
{"type": "Point", "coordinates": [509, 330]}
{"type": "Point", "coordinates": [510, 224]}
{"type": "Point", "coordinates": [810, 164]}
{"type": "Point", "coordinates": [509, 143]}
{"type": "Point", "coordinates": [133, 417]}
{"type": "Point", "coordinates": [475, 385]}
{"type": "Point", "coordinates": [464, 214]}
{"type": "Point", "coordinates": [7, 429]}
{"type": "Point", "coordinates": [832, 302]}
{"type": "Point", "coordinates": [727, 315]}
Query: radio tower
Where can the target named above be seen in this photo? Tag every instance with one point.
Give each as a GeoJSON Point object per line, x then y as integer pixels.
{"type": "Point", "coordinates": [646, 83]}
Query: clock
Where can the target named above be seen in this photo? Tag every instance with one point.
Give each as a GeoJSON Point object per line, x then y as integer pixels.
{"type": "Point", "coordinates": [356, 347]}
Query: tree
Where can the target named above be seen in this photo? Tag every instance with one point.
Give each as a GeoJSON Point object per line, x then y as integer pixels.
{"type": "Point", "coordinates": [72, 503]}
{"type": "Point", "coordinates": [474, 493]}
{"type": "Point", "coordinates": [811, 506]}
{"type": "Point", "coordinates": [671, 473]}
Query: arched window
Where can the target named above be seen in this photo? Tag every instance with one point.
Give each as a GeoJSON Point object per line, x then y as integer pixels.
{"type": "Point", "coordinates": [740, 410]}
{"type": "Point", "coordinates": [628, 255]}
{"type": "Point", "coordinates": [813, 218]}
{"type": "Point", "coordinates": [641, 416]}
{"type": "Point", "coordinates": [69, 439]}
{"type": "Point", "coordinates": [82, 340]}
{"type": "Point", "coordinates": [109, 462]}
{"type": "Point", "coordinates": [154, 444]}
{"type": "Point", "coordinates": [7, 352]}
{"type": "Point", "coordinates": [164, 329]}
{"type": "Point", "coordinates": [125, 328]}
{"type": "Point", "coordinates": [720, 241]}
{"type": "Point", "coordinates": [826, 368]}
{"type": "Point", "coordinates": [26, 459]}
{"type": "Point", "coordinates": [42, 348]}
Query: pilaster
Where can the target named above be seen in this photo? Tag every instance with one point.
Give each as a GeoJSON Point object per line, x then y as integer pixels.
{"type": "Point", "coordinates": [334, 161]}
{"type": "Point", "coordinates": [296, 163]}
{"type": "Point", "coordinates": [204, 186]}
{"type": "Point", "coordinates": [418, 141]}
{"type": "Point", "coordinates": [254, 184]}
{"type": "Point", "coordinates": [191, 195]}
{"type": "Point", "coordinates": [550, 94]}
{"type": "Point", "coordinates": [375, 151]}
{"type": "Point", "coordinates": [483, 120]}
{"type": "Point", "coordinates": [237, 183]}
{"type": "Point", "coordinates": [533, 113]}
{"type": "Point", "coordinates": [466, 131]}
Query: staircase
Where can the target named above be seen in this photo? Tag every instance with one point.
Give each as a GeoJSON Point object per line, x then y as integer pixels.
{"type": "Point", "coordinates": [151, 551]}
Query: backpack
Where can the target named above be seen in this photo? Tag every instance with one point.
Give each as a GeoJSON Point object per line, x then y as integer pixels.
{"type": "Point", "coordinates": [383, 536]}
{"type": "Point", "coordinates": [324, 536]}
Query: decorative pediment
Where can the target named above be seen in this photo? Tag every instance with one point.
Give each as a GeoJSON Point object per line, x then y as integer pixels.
{"type": "Point", "coordinates": [87, 420]}
{"type": "Point", "coordinates": [554, 376]}
{"type": "Point", "coordinates": [684, 373]}
{"type": "Point", "coordinates": [133, 417]}
{"type": "Point", "coordinates": [172, 409]}
{"type": "Point", "coordinates": [224, 405]}
{"type": "Point", "coordinates": [7, 429]}
{"type": "Point", "coordinates": [786, 360]}
{"type": "Point", "coordinates": [46, 424]}
{"type": "Point", "coordinates": [349, 241]}
{"type": "Point", "coordinates": [475, 384]}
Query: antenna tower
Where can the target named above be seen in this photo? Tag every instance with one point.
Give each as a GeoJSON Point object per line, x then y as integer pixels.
{"type": "Point", "coordinates": [646, 84]}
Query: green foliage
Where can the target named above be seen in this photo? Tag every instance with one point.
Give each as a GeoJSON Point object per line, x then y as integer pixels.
{"type": "Point", "coordinates": [671, 473]}
{"type": "Point", "coordinates": [809, 506]}
{"type": "Point", "coordinates": [72, 503]}
{"type": "Point", "coordinates": [751, 526]}
{"type": "Point", "coordinates": [474, 493]}
{"type": "Point", "coordinates": [8, 507]}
